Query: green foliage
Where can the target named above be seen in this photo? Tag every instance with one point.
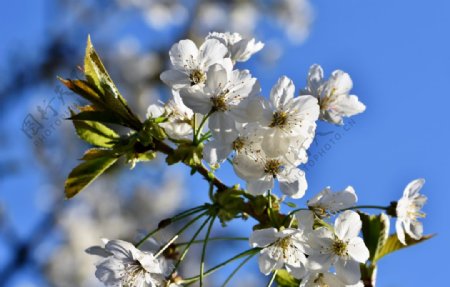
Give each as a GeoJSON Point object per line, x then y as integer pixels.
{"type": "Point", "coordinates": [230, 204]}
{"type": "Point", "coordinates": [188, 153]}
{"type": "Point", "coordinates": [375, 230]}
{"type": "Point", "coordinates": [95, 153]}
{"type": "Point", "coordinates": [106, 106]}
{"type": "Point", "coordinates": [393, 244]}
{"type": "Point", "coordinates": [95, 133]}
{"type": "Point", "coordinates": [85, 173]}
{"type": "Point", "coordinates": [284, 279]}
{"type": "Point", "coordinates": [100, 90]}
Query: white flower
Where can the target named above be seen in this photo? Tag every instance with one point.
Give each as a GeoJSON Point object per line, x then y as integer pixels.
{"type": "Point", "coordinates": [179, 117]}
{"type": "Point", "coordinates": [321, 279]}
{"type": "Point", "coordinates": [341, 248]}
{"type": "Point", "coordinates": [260, 170]}
{"type": "Point", "coordinates": [281, 249]}
{"type": "Point", "coordinates": [333, 95]}
{"type": "Point", "coordinates": [289, 121]}
{"type": "Point", "coordinates": [325, 279]}
{"type": "Point", "coordinates": [240, 50]}
{"type": "Point", "coordinates": [217, 151]}
{"type": "Point", "coordinates": [224, 95]}
{"type": "Point", "coordinates": [124, 265]}
{"type": "Point", "coordinates": [408, 210]}
{"type": "Point", "coordinates": [327, 202]}
{"type": "Point", "coordinates": [191, 63]}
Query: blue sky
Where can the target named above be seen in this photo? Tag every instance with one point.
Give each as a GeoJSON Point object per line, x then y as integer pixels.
{"type": "Point", "coordinates": [397, 53]}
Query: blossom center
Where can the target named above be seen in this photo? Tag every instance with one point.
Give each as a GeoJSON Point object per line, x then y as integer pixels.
{"type": "Point", "coordinates": [319, 211]}
{"type": "Point", "coordinates": [279, 119]}
{"type": "Point", "coordinates": [284, 244]}
{"type": "Point", "coordinates": [197, 77]}
{"type": "Point", "coordinates": [134, 272]}
{"type": "Point", "coordinates": [238, 144]}
{"type": "Point", "coordinates": [339, 247]}
{"type": "Point", "coordinates": [273, 167]}
{"type": "Point", "coordinates": [320, 281]}
{"type": "Point", "coordinates": [219, 103]}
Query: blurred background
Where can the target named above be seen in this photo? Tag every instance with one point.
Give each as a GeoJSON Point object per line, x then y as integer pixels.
{"type": "Point", "coordinates": [397, 53]}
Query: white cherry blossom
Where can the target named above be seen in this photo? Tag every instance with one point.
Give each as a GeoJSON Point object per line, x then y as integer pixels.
{"type": "Point", "coordinates": [281, 249]}
{"type": "Point", "coordinates": [327, 202]}
{"type": "Point", "coordinates": [289, 121]}
{"type": "Point", "coordinates": [224, 97]}
{"type": "Point", "coordinates": [124, 265]}
{"type": "Point", "coordinates": [321, 279]}
{"type": "Point", "coordinates": [342, 248]}
{"type": "Point", "coordinates": [240, 49]}
{"type": "Point", "coordinates": [408, 210]}
{"type": "Point", "coordinates": [217, 151]}
{"type": "Point", "coordinates": [191, 63]}
{"type": "Point", "coordinates": [260, 170]}
{"type": "Point", "coordinates": [333, 95]}
{"type": "Point", "coordinates": [179, 117]}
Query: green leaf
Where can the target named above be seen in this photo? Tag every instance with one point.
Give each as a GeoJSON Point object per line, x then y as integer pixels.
{"type": "Point", "coordinates": [97, 116]}
{"type": "Point", "coordinates": [95, 133]}
{"type": "Point", "coordinates": [284, 279]}
{"type": "Point", "coordinates": [290, 204]}
{"type": "Point", "coordinates": [83, 89]}
{"type": "Point", "coordinates": [99, 78]}
{"type": "Point", "coordinates": [375, 230]}
{"type": "Point", "coordinates": [368, 274]}
{"type": "Point", "coordinates": [393, 244]}
{"type": "Point", "coordinates": [94, 69]}
{"type": "Point", "coordinates": [95, 153]}
{"type": "Point", "coordinates": [85, 173]}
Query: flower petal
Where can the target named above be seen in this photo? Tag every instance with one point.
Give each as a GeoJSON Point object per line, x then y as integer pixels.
{"type": "Point", "coordinates": [183, 54]}
{"type": "Point", "coordinates": [347, 225]}
{"type": "Point", "coordinates": [293, 182]}
{"type": "Point", "coordinates": [282, 92]}
{"type": "Point", "coordinates": [175, 79]}
{"type": "Point", "coordinates": [348, 271]}
{"type": "Point", "coordinates": [358, 250]}
{"type": "Point", "coordinates": [196, 99]}
{"type": "Point", "coordinates": [263, 237]}
{"type": "Point", "coordinates": [258, 187]}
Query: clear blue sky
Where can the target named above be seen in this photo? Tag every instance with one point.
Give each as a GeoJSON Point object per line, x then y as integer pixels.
{"type": "Point", "coordinates": [398, 54]}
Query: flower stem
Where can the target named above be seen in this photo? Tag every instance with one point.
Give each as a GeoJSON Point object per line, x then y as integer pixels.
{"type": "Point", "coordinates": [237, 269]}
{"type": "Point", "coordinates": [272, 279]}
{"type": "Point", "coordinates": [215, 239]}
{"type": "Point", "coordinates": [186, 249]}
{"type": "Point", "coordinates": [200, 127]}
{"type": "Point", "coordinates": [191, 280]}
{"type": "Point", "coordinates": [205, 243]}
{"type": "Point", "coordinates": [173, 219]}
{"type": "Point", "coordinates": [366, 206]}
{"type": "Point", "coordinates": [166, 245]}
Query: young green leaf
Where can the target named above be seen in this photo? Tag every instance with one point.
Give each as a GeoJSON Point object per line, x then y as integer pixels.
{"type": "Point", "coordinates": [284, 279]}
{"type": "Point", "coordinates": [393, 244]}
{"type": "Point", "coordinates": [95, 153]}
{"type": "Point", "coordinates": [99, 78]}
{"type": "Point", "coordinates": [95, 133]}
{"type": "Point", "coordinates": [97, 116]}
{"type": "Point", "coordinates": [83, 89]}
{"type": "Point", "coordinates": [85, 173]}
{"type": "Point", "coordinates": [94, 69]}
{"type": "Point", "coordinates": [375, 230]}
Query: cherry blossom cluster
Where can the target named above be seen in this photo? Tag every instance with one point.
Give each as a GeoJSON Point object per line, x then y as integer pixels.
{"type": "Point", "coordinates": [221, 109]}
{"type": "Point", "coordinates": [268, 138]}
